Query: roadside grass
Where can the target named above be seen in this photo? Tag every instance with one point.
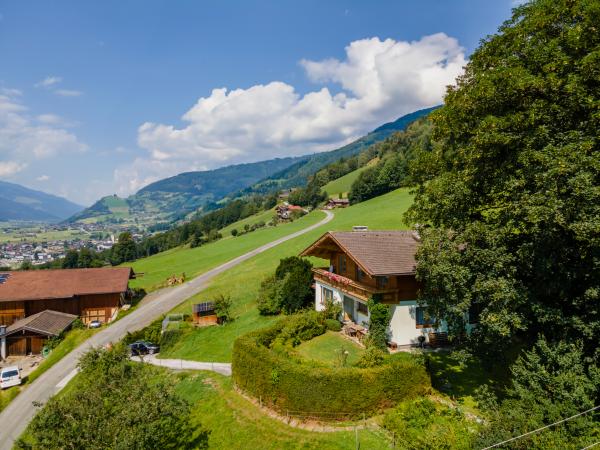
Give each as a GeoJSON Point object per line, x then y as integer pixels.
{"type": "Point", "coordinates": [236, 423]}
{"type": "Point", "coordinates": [7, 396]}
{"type": "Point", "coordinates": [326, 348]}
{"type": "Point", "coordinates": [194, 261]}
{"type": "Point", "coordinates": [242, 283]}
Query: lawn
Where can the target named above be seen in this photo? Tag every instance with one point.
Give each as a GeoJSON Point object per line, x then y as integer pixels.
{"type": "Point", "coordinates": [242, 282]}
{"type": "Point", "coordinates": [326, 349]}
{"type": "Point", "coordinates": [194, 261]}
{"type": "Point", "coordinates": [236, 423]}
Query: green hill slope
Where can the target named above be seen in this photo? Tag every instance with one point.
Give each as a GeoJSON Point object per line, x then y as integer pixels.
{"type": "Point", "coordinates": [342, 185]}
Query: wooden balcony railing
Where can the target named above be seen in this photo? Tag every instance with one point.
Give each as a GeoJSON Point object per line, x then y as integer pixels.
{"type": "Point", "coordinates": [354, 288]}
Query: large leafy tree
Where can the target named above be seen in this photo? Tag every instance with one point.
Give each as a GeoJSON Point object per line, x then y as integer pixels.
{"type": "Point", "coordinates": [512, 187]}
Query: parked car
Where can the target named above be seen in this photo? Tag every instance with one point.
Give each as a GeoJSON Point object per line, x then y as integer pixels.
{"type": "Point", "coordinates": [10, 376]}
{"type": "Point", "coordinates": [95, 324]}
{"type": "Point", "coordinates": [143, 348]}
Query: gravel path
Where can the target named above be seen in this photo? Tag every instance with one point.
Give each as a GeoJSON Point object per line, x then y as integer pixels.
{"type": "Point", "coordinates": [17, 415]}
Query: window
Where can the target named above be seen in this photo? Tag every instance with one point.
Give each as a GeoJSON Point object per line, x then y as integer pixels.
{"type": "Point", "coordinates": [424, 319]}
{"type": "Point", "coordinates": [342, 264]}
{"type": "Point", "coordinates": [363, 308]}
{"type": "Point", "coordinates": [359, 274]}
{"type": "Point", "coordinates": [382, 282]}
{"type": "Point", "coordinates": [326, 295]}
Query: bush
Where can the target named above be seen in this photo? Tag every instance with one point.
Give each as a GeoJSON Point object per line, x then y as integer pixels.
{"type": "Point", "coordinates": [289, 289]}
{"type": "Point", "coordinates": [268, 300]}
{"type": "Point", "coordinates": [286, 384]}
{"type": "Point", "coordinates": [223, 308]}
{"type": "Point", "coordinates": [379, 320]}
{"type": "Point", "coordinates": [371, 357]}
{"type": "Point", "coordinates": [333, 325]}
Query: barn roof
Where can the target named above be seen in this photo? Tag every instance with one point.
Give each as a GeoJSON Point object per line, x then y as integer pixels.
{"type": "Point", "coordinates": [49, 323]}
{"type": "Point", "coordinates": [62, 283]}
{"type": "Point", "coordinates": [378, 253]}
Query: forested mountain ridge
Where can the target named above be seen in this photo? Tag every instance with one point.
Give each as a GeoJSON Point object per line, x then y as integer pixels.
{"type": "Point", "coordinates": [20, 203]}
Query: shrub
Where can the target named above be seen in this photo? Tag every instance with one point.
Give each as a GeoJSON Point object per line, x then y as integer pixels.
{"type": "Point", "coordinates": [332, 310]}
{"type": "Point", "coordinates": [234, 232]}
{"type": "Point", "coordinates": [289, 289]}
{"type": "Point", "coordinates": [268, 301]}
{"type": "Point", "coordinates": [223, 308]}
{"type": "Point", "coordinates": [379, 320]}
{"type": "Point", "coordinates": [371, 357]}
{"type": "Point", "coordinates": [333, 325]}
{"type": "Point", "coordinates": [290, 385]}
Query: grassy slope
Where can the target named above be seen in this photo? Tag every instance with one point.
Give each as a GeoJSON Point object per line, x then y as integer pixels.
{"type": "Point", "coordinates": [236, 423]}
{"type": "Point", "coordinates": [343, 184]}
{"type": "Point", "coordinates": [243, 282]}
{"type": "Point", "coordinates": [264, 216]}
{"type": "Point", "coordinates": [194, 261]}
{"type": "Point", "coordinates": [325, 348]}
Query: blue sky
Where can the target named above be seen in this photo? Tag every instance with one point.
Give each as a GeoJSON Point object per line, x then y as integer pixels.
{"type": "Point", "coordinates": [103, 97]}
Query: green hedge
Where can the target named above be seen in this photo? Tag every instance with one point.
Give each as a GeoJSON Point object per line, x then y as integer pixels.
{"type": "Point", "coordinates": [300, 388]}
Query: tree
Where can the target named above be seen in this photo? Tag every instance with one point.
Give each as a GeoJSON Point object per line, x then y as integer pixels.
{"type": "Point", "coordinates": [116, 404]}
{"type": "Point", "coordinates": [512, 184]}
{"type": "Point", "coordinates": [379, 320]}
{"type": "Point", "coordinates": [71, 259]}
{"type": "Point", "coordinates": [125, 249]}
{"type": "Point", "coordinates": [223, 306]}
{"type": "Point", "coordinates": [289, 289]}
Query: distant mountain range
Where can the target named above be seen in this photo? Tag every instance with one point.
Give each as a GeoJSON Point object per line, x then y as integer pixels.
{"type": "Point", "coordinates": [174, 197]}
{"type": "Point", "coordinates": [20, 203]}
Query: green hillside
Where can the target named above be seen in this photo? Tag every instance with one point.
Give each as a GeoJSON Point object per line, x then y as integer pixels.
{"type": "Point", "coordinates": [342, 185]}
{"type": "Point", "coordinates": [108, 208]}
{"type": "Point", "coordinates": [243, 282]}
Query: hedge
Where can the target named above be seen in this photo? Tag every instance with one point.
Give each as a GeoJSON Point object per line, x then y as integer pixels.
{"type": "Point", "coordinates": [297, 388]}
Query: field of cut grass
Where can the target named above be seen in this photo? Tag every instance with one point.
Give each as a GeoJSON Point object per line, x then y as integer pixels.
{"type": "Point", "coordinates": [236, 423]}
{"type": "Point", "coordinates": [194, 261]}
{"type": "Point", "coordinates": [326, 349]}
{"type": "Point", "coordinates": [243, 282]}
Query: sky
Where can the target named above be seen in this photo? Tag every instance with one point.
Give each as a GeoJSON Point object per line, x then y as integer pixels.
{"type": "Point", "coordinates": [98, 98]}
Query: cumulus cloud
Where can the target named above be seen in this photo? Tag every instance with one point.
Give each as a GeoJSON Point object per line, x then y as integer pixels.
{"type": "Point", "coordinates": [68, 92]}
{"type": "Point", "coordinates": [377, 81]}
{"type": "Point", "coordinates": [24, 140]}
{"type": "Point", "coordinates": [43, 178]}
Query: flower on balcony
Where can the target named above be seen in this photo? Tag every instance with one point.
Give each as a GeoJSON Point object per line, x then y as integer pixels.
{"type": "Point", "coordinates": [337, 278]}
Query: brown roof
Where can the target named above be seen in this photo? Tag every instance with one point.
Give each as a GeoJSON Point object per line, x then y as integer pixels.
{"type": "Point", "coordinates": [376, 252]}
{"type": "Point", "coordinates": [50, 323]}
{"type": "Point", "coordinates": [65, 283]}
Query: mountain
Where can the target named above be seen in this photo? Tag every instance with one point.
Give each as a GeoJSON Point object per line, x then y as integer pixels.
{"type": "Point", "coordinates": [297, 174]}
{"type": "Point", "coordinates": [174, 197]}
{"type": "Point", "coordinates": [20, 203]}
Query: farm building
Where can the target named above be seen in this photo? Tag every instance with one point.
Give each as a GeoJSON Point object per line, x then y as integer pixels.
{"type": "Point", "coordinates": [337, 203]}
{"type": "Point", "coordinates": [91, 294]}
{"type": "Point", "coordinates": [204, 314]}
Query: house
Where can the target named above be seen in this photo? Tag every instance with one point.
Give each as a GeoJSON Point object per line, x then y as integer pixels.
{"type": "Point", "coordinates": [337, 203]}
{"type": "Point", "coordinates": [285, 210]}
{"type": "Point", "coordinates": [204, 314]}
{"type": "Point", "coordinates": [29, 335]}
{"type": "Point", "coordinates": [91, 294]}
{"type": "Point", "coordinates": [373, 264]}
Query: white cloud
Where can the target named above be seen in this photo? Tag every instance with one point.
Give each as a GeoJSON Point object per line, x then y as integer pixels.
{"type": "Point", "coordinates": [68, 93]}
{"type": "Point", "coordinates": [49, 81]}
{"type": "Point", "coordinates": [376, 82]}
{"type": "Point", "coordinates": [43, 178]}
{"type": "Point", "coordinates": [24, 140]}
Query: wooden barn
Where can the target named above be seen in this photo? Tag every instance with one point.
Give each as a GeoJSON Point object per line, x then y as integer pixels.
{"type": "Point", "coordinates": [204, 314]}
{"type": "Point", "coordinates": [91, 294]}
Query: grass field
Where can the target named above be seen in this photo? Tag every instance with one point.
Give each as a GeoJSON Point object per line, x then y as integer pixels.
{"type": "Point", "coordinates": [326, 348]}
{"type": "Point", "coordinates": [343, 184]}
{"type": "Point", "coordinates": [243, 281]}
{"type": "Point", "coordinates": [38, 234]}
{"type": "Point", "coordinates": [236, 423]}
{"type": "Point", "coordinates": [194, 261]}
{"type": "Point", "coordinates": [264, 216]}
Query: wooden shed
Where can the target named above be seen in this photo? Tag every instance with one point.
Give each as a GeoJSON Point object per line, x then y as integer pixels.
{"type": "Point", "coordinates": [204, 314]}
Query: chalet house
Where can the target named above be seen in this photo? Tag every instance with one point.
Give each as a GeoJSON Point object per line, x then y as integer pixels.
{"type": "Point", "coordinates": [285, 210]}
{"type": "Point", "coordinates": [337, 203]}
{"type": "Point", "coordinates": [91, 294]}
{"type": "Point", "coordinates": [379, 264]}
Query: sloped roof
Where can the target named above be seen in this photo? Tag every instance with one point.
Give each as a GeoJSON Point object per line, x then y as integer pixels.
{"type": "Point", "coordinates": [65, 283]}
{"type": "Point", "coordinates": [49, 323]}
{"type": "Point", "coordinates": [378, 253]}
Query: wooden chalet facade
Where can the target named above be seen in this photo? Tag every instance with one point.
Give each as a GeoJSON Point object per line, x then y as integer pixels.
{"type": "Point", "coordinates": [91, 294]}
{"type": "Point", "coordinates": [372, 264]}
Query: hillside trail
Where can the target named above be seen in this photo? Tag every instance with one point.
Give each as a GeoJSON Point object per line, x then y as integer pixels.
{"type": "Point", "coordinates": [17, 415]}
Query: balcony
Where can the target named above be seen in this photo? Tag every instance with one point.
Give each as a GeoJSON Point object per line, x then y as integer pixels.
{"type": "Point", "coordinates": [354, 288]}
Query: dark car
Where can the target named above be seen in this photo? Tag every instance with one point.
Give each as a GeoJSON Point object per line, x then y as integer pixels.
{"type": "Point", "coordinates": [143, 348]}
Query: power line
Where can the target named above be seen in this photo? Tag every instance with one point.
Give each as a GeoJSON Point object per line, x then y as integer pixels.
{"type": "Point", "coordinates": [542, 428]}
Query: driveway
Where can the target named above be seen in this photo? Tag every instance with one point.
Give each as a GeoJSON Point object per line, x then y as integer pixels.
{"type": "Point", "coordinates": [183, 364]}
{"type": "Point", "coordinates": [15, 417]}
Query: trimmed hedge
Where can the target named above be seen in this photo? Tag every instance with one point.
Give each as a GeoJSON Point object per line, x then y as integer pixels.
{"type": "Point", "coordinates": [288, 385]}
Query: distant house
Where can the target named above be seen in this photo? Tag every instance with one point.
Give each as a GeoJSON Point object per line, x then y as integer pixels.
{"type": "Point", "coordinates": [285, 210]}
{"type": "Point", "coordinates": [91, 294]}
{"type": "Point", "coordinates": [379, 264]}
{"type": "Point", "coordinates": [337, 203]}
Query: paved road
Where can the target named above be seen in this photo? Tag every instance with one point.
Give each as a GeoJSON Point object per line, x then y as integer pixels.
{"type": "Point", "coordinates": [14, 419]}
{"type": "Point", "coordinates": [183, 364]}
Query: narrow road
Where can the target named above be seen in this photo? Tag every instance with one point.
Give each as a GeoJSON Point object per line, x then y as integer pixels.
{"type": "Point", "coordinates": [15, 417]}
{"type": "Point", "coordinates": [183, 364]}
